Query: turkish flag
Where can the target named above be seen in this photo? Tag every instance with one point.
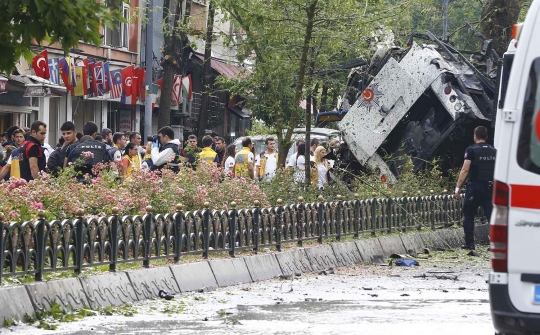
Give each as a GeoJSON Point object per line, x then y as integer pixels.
{"type": "Point", "coordinates": [40, 63]}
{"type": "Point", "coordinates": [141, 78]}
{"type": "Point", "coordinates": [127, 79]}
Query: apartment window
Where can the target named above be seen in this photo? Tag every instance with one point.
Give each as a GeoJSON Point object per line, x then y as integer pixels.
{"type": "Point", "coordinates": [118, 35]}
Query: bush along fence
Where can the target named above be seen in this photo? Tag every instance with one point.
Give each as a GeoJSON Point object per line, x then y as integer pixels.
{"type": "Point", "coordinates": [38, 246]}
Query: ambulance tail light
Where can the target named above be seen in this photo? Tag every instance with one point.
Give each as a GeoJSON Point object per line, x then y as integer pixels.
{"type": "Point", "coordinates": [499, 227]}
{"type": "Point", "coordinates": [516, 30]}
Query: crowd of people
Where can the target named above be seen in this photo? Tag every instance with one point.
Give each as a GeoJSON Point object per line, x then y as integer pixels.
{"type": "Point", "coordinates": [24, 154]}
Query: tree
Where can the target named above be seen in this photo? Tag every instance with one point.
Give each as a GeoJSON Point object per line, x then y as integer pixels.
{"type": "Point", "coordinates": [65, 22]}
{"type": "Point", "coordinates": [205, 103]}
{"type": "Point", "coordinates": [498, 18]}
{"type": "Point", "coordinates": [287, 40]}
{"type": "Point", "coordinates": [175, 49]}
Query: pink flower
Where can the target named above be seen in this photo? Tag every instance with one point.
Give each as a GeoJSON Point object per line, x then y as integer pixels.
{"type": "Point", "coordinates": [37, 205]}
{"type": "Point", "coordinates": [88, 154]}
{"type": "Point", "coordinates": [180, 191]}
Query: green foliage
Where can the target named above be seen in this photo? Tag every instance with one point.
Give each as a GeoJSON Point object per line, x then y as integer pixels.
{"type": "Point", "coordinates": [126, 310]}
{"type": "Point", "coordinates": [260, 128]}
{"type": "Point", "coordinates": [50, 21]}
{"type": "Point", "coordinates": [173, 307]}
{"type": "Point", "coordinates": [422, 183]}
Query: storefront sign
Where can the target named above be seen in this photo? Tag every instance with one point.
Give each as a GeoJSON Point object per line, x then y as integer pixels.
{"type": "Point", "coordinates": [124, 122]}
{"type": "Point", "coordinates": [39, 91]}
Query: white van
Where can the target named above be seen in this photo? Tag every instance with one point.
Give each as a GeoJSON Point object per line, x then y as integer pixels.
{"type": "Point", "coordinates": [514, 284]}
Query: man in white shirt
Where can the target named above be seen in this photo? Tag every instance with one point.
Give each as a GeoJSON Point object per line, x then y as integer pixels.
{"type": "Point", "coordinates": [292, 159]}
{"type": "Point", "coordinates": [266, 162]}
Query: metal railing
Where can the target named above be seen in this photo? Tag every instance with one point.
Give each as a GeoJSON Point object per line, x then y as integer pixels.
{"type": "Point", "coordinates": [38, 246]}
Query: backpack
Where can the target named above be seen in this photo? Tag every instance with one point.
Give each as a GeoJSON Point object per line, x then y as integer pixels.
{"type": "Point", "coordinates": [112, 151]}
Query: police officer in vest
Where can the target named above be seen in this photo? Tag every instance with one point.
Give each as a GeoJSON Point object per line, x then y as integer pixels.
{"type": "Point", "coordinates": [88, 151]}
{"type": "Point", "coordinates": [479, 166]}
{"type": "Point", "coordinates": [165, 150]}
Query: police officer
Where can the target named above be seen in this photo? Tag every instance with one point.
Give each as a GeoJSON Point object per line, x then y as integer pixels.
{"type": "Point", "coordinates": [479, 165]}
{"type": "Point", "coordinates": [88, 151]}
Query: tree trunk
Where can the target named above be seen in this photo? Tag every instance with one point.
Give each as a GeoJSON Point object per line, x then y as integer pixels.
{"type": "Point", "coordinates": [308, 138]}
{"type": "Point", "coordinates": [301, 81]}
{"type": "Point", "coordinates": [207, 79]}
{"type": "Point", "coordinates": [324, 98]}
{"type": "Point", "coordinates": [173, 53]}
{"type": "Point", "coordinates": [499, 18]}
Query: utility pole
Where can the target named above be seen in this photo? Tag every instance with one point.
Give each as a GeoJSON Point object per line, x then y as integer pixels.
{"type": "Point", "coordinates": [445, 20]}
{"type": "Point", "coordinates": [149, 58]}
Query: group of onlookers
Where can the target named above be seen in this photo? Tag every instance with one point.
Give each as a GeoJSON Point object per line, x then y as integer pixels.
{"type": "Point", "coordinates": [24, 154]}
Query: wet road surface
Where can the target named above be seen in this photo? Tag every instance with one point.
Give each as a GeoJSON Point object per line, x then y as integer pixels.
{"type": "Point", "coordinates": [444, 295]}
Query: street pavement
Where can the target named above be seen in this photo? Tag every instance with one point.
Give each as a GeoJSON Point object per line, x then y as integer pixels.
{"type": "Point", "coordinates": [446, 294]}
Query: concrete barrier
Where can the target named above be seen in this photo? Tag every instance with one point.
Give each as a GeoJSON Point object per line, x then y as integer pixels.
{"type": "Point", "coordinates": [292, 262]}
{"type": "Point", "coordinates": [263, 267]}
{"type": "Point", "coordinates": [369, 248]}
{"type": "Point", "coordinates": [15, 304]}
{"type": "Point", "coordinates": [194, 276]}
{"type": "Point", "coordinates": [346, 253]}
{"type": "Point", "coordinates": [321, 257]}
{"type": "Point", "coordinates": [412, 241]}
{"type": "Point", "coordinates": [433, 241]}
{"type": "Point", "coordinates": [481, 234]}
{"type": "Point", "coordinates": [68, 293]}
{"type": "Point", "coordinates": [110, 289]}
{"type": "Point", "coordinates": [230, 272]}
{"type": "Point", "coordinates": [148, 282]}
{"type": "Point", "coordinates": [450, 237]}
{"type": "Point", "coordinates": [392, 245]}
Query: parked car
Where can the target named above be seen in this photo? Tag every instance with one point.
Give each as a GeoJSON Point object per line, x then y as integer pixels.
{"type": "Point", "coordinates": [323, 134]}
{"type": "Point", "coordinates": [514, 283]}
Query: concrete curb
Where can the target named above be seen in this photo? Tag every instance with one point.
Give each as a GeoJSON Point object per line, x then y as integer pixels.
{"type": "Point", "coordinates": [230, 272]}
{"type": "Point", "coordinates": [194, 276]}
{"type": "Point", "coordinates": [114, 289]}
{"type": "Point", "coordinates": [263, 267]}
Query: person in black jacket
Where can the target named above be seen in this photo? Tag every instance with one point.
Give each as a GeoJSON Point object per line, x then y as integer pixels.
{"type": "Point", "coordinates": [88, 151]}
{"type": "Point", "coordinates": [55, 163]}
{"type": "Point", "coordinates": [478, 166]}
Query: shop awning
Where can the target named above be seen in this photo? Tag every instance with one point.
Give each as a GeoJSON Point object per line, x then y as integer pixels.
{"type": "Point", "coordinates": [38, 87]}
{"type": "Point", "coordinates": [228, 70]}
{"type": "Point", "coordinates": [240, 112]}
{"type": "Point", "coordinates": [17, 109]}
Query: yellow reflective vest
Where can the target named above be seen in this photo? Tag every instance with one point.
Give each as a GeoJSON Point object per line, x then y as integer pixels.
{"type": "Point", "coordinates": [208, 155]}
{"type": "Point", "coordinates": [241, 163]}
{"type": "Point", "coordinates": [15, 169]}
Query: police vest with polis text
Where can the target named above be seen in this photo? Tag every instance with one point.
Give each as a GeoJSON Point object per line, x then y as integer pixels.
{"type": "Point", "coordinates": [482, 162]}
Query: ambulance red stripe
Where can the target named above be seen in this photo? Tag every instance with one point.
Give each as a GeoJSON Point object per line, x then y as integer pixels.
{"type": "Point", "coordinates": [525, 196]}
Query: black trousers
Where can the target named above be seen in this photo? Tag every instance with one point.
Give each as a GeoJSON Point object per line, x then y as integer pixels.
{"type": "Point", "coordinates": [477, 194]}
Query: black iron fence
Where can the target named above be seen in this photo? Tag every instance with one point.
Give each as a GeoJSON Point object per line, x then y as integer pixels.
{"type": "Point", "coordinates": [39, 246]}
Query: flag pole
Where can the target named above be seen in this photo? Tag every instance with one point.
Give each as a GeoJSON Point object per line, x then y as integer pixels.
{"type": "Point", "coordinates": [149, 56]}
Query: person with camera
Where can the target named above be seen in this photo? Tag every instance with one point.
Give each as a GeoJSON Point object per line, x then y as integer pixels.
{"type": "Point", "coordinates": [165, 150]}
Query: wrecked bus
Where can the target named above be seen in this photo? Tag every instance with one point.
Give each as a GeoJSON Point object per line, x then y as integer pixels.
{"type": "Point", "coordinates": [421, 102]}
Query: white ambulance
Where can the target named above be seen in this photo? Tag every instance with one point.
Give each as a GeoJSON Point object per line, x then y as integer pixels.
{"type": "Point", "coordinates": [514, 284]}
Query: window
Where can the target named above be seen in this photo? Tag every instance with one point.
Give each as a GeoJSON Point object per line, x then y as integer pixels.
{"type": "Point", "coordinates": [528, 154]}
{"type": "Point", "coordinates": [118, 35]}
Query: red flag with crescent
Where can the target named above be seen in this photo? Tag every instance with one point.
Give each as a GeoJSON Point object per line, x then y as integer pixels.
{"type": "Point", "coordinates": [127, 77]}
{"type": "Point", "coordinates": [40, 63]}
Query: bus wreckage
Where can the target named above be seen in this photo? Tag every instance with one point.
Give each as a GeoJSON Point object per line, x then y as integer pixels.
{"type": "Point", "coordinates": [421, 102]}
